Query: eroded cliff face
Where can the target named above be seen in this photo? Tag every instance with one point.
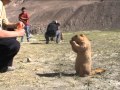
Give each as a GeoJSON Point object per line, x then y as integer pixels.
{"type": "Point", "coordinates": [104, 15]}
{"type": "Point", "coordinates": [72, 14]}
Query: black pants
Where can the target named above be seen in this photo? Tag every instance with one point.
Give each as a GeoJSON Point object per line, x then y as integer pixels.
{"type": "Point", "coordinates": [9, 47]}
{"type": "Point", "coordinates": [57, 37]}
{"type": "Point", "coordinates": [47, 37]}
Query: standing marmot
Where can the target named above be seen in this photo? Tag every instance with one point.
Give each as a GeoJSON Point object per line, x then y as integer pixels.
{"type": "Point", "coordinates": [82, 46]}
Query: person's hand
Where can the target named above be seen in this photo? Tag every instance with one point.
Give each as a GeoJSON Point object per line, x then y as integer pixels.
{"type": "Point", "coordinates": [20, 29]}
{"type": "Point", "coordinates": [20, 25]}
{"type": "Point", "coordinates": [20, 32]}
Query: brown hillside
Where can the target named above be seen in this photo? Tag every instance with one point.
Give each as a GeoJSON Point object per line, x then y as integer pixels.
{"type": "Point", "coordinates": [72, 14]}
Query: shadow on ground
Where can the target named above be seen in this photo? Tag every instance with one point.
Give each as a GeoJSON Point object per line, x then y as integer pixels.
{"type": "Point", "coordinates": [56, 74]}
{"type": "Point", "coordinates": [36, 43]}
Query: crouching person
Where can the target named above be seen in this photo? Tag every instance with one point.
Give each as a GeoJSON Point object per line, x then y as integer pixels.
{"type": "Point", "coordinates": [53, 32]}
{"type": "Point", "coordinates": [9, 46]}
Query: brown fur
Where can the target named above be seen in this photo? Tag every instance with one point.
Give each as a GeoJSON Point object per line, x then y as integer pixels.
{"type": "Point", "coordinates": [82, 46]}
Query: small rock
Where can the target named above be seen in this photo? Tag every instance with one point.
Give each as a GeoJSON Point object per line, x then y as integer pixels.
{"type": "Point", "coordinates": [28, 60]}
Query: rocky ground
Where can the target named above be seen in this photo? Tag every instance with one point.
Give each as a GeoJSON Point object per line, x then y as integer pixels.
{"type": "Point", "coordinates": [51, 67]}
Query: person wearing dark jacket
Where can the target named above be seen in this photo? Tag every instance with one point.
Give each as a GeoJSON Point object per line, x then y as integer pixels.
{"type": "Point", "coordinates": [53, 31]}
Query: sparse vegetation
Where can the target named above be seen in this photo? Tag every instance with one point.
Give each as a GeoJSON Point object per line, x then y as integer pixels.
{"type": "Point", "coordinates": [51, 66]}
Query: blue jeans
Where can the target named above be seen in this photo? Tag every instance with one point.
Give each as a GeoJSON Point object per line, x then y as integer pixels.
{"type": "Point", "coordinates": [27, 31]}
{"type": "Point", "coordinates": [58, 36]}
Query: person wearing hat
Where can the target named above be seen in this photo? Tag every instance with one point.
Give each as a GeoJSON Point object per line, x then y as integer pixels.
{"type": "Point", "coordinates": [24, 17]}
{"type": "Point", "coordinates": [9, 46]}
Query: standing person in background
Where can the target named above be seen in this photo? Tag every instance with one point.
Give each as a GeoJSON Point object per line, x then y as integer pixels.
{"type": "Point", "coordinates": [24, 17]}
{"type": "Point", "coordinates": [9, 46]}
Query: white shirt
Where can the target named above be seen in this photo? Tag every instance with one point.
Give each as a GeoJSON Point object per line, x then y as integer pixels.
{"type": "Point", "coordinates": [1, 4]}
{"type": "Point", "coordinates": [3, 18]}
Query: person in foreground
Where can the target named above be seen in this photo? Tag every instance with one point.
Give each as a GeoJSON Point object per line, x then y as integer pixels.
{"type": "Point", "coordinates": [9, 46]}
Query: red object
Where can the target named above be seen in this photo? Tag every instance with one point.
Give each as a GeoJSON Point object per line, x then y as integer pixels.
{"type": "Point", "coordinates": [20, 25]}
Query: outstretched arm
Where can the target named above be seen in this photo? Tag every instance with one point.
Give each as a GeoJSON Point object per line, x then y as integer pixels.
{"type": "Point", "coordinates": [18, 32]}
{"type": "Point", "coordinates": [5, 34]}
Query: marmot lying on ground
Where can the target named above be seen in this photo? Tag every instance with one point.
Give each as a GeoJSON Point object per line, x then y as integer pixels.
{"type": "Point", "coordinates": [83, 65]}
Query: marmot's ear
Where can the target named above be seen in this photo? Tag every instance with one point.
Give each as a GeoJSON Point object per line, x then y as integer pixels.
{"type": "Point", "coordinates": [76, 36]}
{"type": "Point", "coordinates": [73, 38]}
{"type": "Point", "coordinates": [81, 35]}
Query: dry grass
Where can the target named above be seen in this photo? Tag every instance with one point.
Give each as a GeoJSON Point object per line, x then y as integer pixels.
{"type": "Point", "coordinates": [51, 66]}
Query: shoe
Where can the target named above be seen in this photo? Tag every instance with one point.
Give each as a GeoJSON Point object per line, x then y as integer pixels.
{"type": "Point", "coordinates": [28, 40]}
{"type": "Point", "coordinates": [11, 68]}
{"type": "Point", "coordinates": [47, 42]}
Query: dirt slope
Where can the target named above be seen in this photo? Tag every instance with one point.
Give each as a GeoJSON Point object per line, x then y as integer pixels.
{"type": "Point", "coordinates": [72, 14]}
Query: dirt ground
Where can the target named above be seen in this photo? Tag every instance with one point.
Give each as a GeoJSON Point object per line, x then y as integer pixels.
{"type": "Point", "coordinates": [41, 66]}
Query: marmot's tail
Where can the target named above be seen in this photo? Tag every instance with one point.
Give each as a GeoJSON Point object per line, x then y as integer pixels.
{"type": "Point", "coordinates": [98, 71]}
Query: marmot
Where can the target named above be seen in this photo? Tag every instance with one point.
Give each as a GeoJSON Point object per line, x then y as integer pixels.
{"type": "Point", "coordinates": [83, 65]}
